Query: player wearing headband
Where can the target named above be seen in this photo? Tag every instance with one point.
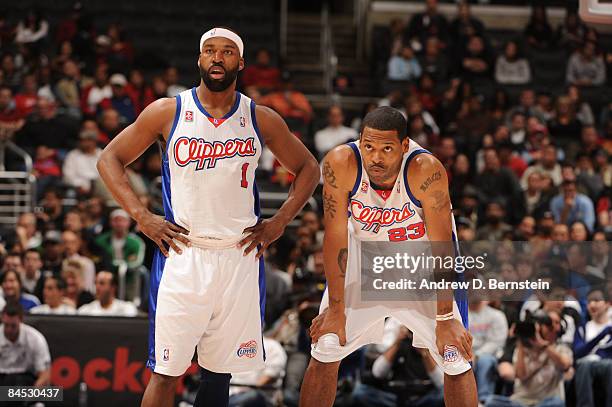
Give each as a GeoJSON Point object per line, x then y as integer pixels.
{"type": "Point", "coordinates": [207, 279]}
{"type": "Point", "coordinates": [384, 188]}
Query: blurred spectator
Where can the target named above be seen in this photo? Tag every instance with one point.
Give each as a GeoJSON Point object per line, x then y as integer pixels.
{"type": "Point", "coordinates": [511, 68]}
{"type": "Point", "coordinates": [12, 289]}
{"type": "Point", "coordinates": [571, 33]}
{"type": "Point", "coordinates": [538, 365]}
{"type": "Point", "coordinates": [27, 232]}
{"type": "Point", "coordinates": [433, 61]}
{"type": "Point", "coordinates": [107, 303]}
{"type": "Point", "coordinates": [538, 31]}
{"type": "Point", "coordinates": [72, 247]}
{"type": "Point", "coordinates": [80, 164]}
{"type": "Point", "coordinates": [582, 108]}
{"type": "Point", "coordinates": [119, 244]}
{"type": "Point", "coordinates": [509, 159]}
{"type": "Point", "coordinates": [547, 165]}
{"type": "Point", "coordinates": [543, 109]}
{"type": "Point", "coordinates": [585, 68]}
{"type": "Point", "coordinates": [171, 78]}
{"type": "Point", "coordinates": [121, 53]}
{"type": "Point", "coordinates": [53, 251]}
{"type": "Point", "coordinates": [160, 87]}
{"type": "Point", "coordinates": [64, 54]}
{"type": "Point", "coordinates": [589, 181]}
{"type": "Point", "coordinates": [140, 93]}
{"type": "Point", "coordinates": [578, 232]}
{"type": "Point", "coordinates": [72, 274]}
{"type": "Point", "coordinates": [24, 353]}
{"type": "Point", "coordinates": [465, 25]}
{"type": "Point", "coordinates": [11, 75]}
{"type": "Point", "coordinates": [110, 124]}
{"type": "Point", "coordinates": [537, 197]}
{"type": "Point", "coordinates": [291, 104]}
{"type": "Point", "coordinates": [335, 133]}
{"type": "Point", "coordinates": [32, 265]}
{"type": "Point", "coordinates": [564, 127]}
{"type": "Point", "coordinates": [100, 90]}
{"type": "Point", "coordinates": [570, 206]}
{"type": "Point", "coordinates": [426, 24]}
{"type": "Point", "coordinates": [271, 376]}
{"type": "Point", "coordinates": [476, 61]}
{"type": "Point", "coordinates": [261, 74]}
{"type": "Point", "coordinates": [11, 118]}
{"type": "Point", "coordinates": [417, 379]}
{"type": "Point", "coordinates": [68, 89]}
{"type": "Point", "coordinates": [46, 169]}
{"type": "Point", "coordinates": [120, 101]}
{"type": "Point", "coordinates": [52, 214]}
{"type": "Point", "coordinates": [497, 182]}
{"type": "Point", "coordinates": [593, 351]}
{"type": "Point", "coordinates": [53, 294]}
{"type": "Point", "coordinates": [67, 28]}
{"type": "Point", "coordinates": [494, 228]}
{"type": "Point", "coordinates": [489, 330]}
{"type": "Point", "coordinates": [47, 127]}
{"type": "Point", "coordinates": [404, 67]}
{"type": "Point", "coordinates": [32, 30]}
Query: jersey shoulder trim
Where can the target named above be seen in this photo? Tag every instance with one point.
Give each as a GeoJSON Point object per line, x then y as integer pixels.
{"type": "Point", "coordinates": [255, 126]}
{"type": "Point", "coordinates": [410, 157]}
{"type": "Point", "coordinates": [177, 115]}
{"type": "Point", "coordinates": [359, 168]}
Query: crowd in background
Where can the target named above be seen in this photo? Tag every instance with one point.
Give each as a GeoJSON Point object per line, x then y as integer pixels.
{"type": "Point", "coordinates": [533, 168]}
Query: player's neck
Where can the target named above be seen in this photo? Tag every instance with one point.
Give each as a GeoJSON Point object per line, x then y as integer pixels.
{"type": "Point", "coordinates": [385, 186]}
{"type": "Point", "coordinates": [217, 103]}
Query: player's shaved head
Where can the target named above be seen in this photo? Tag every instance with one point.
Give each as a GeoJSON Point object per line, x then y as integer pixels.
{"type": "Point", "coordinates": [386, 118]}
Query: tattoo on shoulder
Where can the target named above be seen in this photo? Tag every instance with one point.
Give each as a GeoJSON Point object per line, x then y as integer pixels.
{"type": "Point", "coordinates": [430, 180]}
{"type": "Point", "coordinates": [442, 201]}
{"type": "Point", "coordinates": [329, 204]}
{"type": "Point", "coordinates": [342, 259]}
{"type": "Point", "coordinates": [329, 175]}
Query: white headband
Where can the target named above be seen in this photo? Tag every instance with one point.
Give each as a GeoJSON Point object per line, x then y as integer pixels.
{"type": "Point", "coordinates": [225, 33]}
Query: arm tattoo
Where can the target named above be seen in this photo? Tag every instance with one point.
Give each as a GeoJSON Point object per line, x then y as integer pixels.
{"type": "Point", "coordinates": [430, 180]}
{"type": "Point", "coordinates": [329, 204]}
{"type": "Point", "coordinates": [442, 201]}
{"type": "Point", "coordinates": [329, 175]}
{"type": "Point", "coordinates": [342, 260]}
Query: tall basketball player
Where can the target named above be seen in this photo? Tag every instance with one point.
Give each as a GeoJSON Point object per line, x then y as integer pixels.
{"type": "Point", "coordinates": [383, 172]}
{"type": "Point", "coordinates": [207, 287]}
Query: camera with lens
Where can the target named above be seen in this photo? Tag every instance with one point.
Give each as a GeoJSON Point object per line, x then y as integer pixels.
{"type": "Point", "coordinates": [525, 330]}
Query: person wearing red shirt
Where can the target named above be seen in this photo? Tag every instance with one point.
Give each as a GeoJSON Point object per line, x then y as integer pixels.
{"type": "Point", "coordinates": [25, 101]}
{"type": "Point", "coordinates": [262, 74]}
{"type": "Point", "coordinates": [140, 93]}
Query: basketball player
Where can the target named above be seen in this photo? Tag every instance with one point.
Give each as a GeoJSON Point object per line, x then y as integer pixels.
{"type": "Point", "coordinates": [383, 171]}
{"type": "Point", "coordinates": [207, 287]}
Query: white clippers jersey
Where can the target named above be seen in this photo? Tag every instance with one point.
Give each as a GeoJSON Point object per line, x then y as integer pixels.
{"type": "Point", "coordinates": [398, 218]}
{"type": "Point", "coordinates": [209, 168]}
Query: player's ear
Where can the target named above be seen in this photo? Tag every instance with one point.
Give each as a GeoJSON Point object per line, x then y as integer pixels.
{"type": "Point", "coordinates": [405, 143]}
{"type": "Point", "coordinates": [241, 64]}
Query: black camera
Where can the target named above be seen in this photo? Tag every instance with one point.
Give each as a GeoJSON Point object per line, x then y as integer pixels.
{"type": "Point", "coordinates": [525, 330]}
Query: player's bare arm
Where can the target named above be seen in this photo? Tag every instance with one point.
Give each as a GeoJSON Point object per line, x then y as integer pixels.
{"type": "Point", "coordinates": [154, 121]}
{"type": "Point", "coordinates": [339, 173]}
{"type": "Point", "coordinates": [296, 158]}
{"type": "Point", "coordinates": [427, 178]}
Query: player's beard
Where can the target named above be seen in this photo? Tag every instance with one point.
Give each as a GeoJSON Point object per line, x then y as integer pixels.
{"type": "Point", "coordinates": [219, 85]}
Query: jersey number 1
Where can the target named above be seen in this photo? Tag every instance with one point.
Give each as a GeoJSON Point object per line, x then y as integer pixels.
{"type": "Point", "coordinates": [243, 182]}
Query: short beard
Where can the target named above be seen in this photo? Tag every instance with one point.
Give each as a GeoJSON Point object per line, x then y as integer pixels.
{"type": "Point", "coordinates": [216, 85]}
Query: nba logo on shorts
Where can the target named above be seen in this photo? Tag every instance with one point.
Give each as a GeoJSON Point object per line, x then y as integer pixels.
{"type": "Point", "coordinates": [188, 116]}
{"type": "Point", "coordinates": [248, 349]}
{"type": "Point", "coordinates": [242, 121]}
{"type": "Point", "coordinates": [166, 354]}
{"type": "Point", "coordinates": [451, 354]}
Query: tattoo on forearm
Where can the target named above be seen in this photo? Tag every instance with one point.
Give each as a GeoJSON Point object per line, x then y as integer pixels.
{"type": "Point", "coordinates": [342, 259]}
{"type": "Point", "coordinates": [329, 175]}
{"type": "Point", "coordinates": [442, 201]}
{"type": "Point", "coordinates": [329, 204]}
{"type": "Point", "coordinates": [430, 180]}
